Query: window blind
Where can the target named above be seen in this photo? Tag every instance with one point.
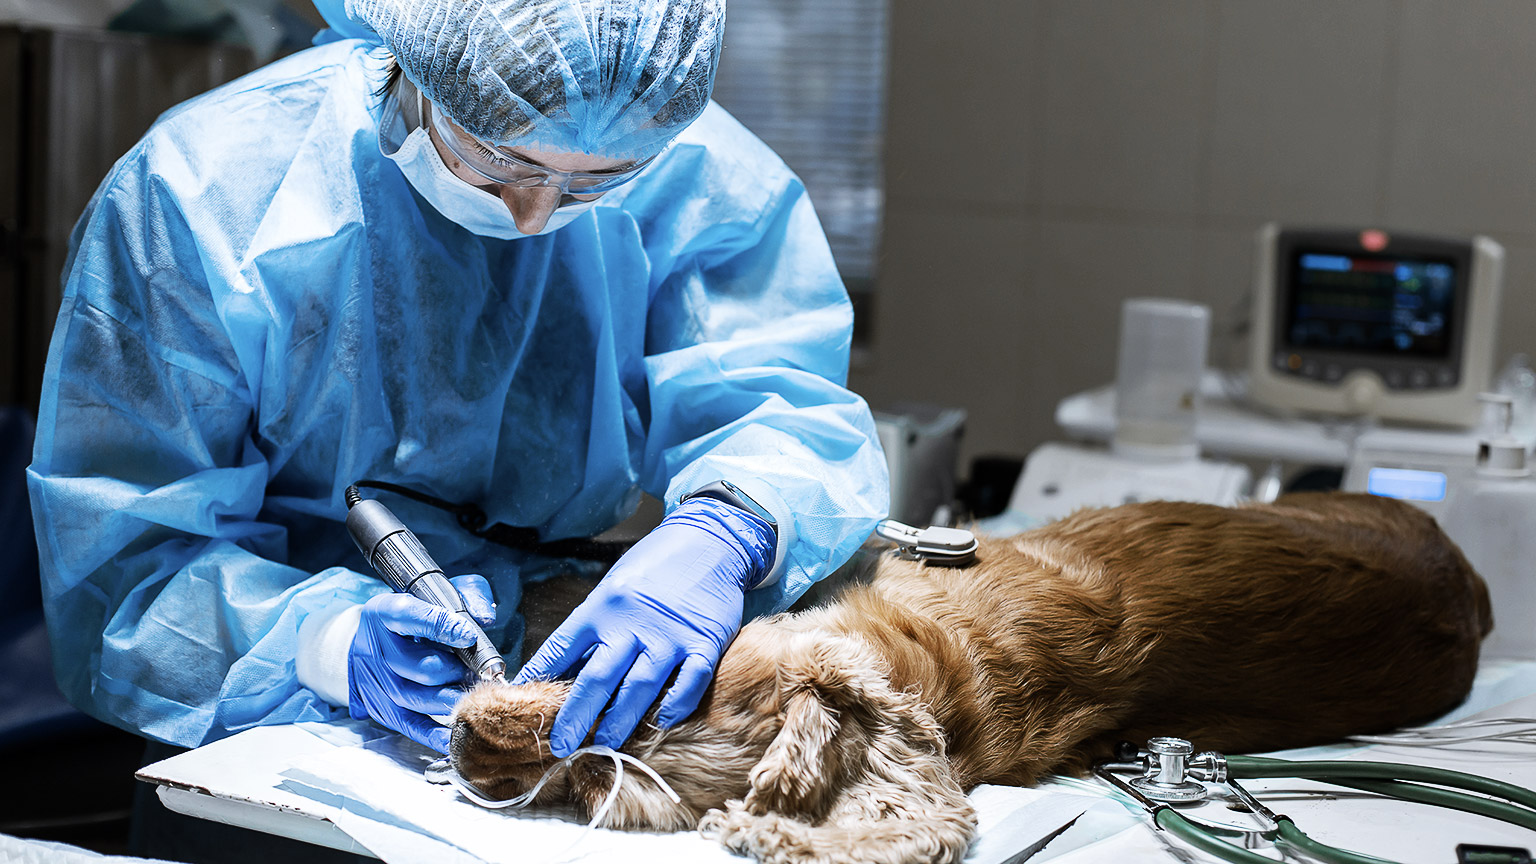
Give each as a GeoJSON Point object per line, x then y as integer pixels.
{"type": "Point", "coordinates": [808, 77]}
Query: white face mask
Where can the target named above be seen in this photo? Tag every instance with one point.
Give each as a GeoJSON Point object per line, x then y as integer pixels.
{"type": "Point", "coordinates": [474, 209]}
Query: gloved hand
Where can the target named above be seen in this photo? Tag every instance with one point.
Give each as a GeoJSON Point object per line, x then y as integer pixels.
{"type": "Point", "coordinates": [674, 599]}
{"type": "Point", "coordinates": [400, 681]}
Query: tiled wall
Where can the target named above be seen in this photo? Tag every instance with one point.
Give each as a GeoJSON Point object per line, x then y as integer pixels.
{"type": "Point", "coordinates": [1047, 159]}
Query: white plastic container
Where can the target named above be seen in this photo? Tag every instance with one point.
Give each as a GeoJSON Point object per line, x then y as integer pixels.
{"type": "Point", "coordinates": [1491, 515]}
{"type": "Point", "coordinates": [1163, 346]}
{"type": "Point", "coordinates": [1518, 381]}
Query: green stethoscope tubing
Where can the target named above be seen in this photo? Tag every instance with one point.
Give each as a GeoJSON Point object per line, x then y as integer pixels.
{"type": "Point", "coordinates": [1405, 782]}
{"type": "Point", "coordinates": [1251, 767]}
{"type": "Point", "coordinates": [1180, 827]}
{"type": "Point", "coordinates": [1174, 823]}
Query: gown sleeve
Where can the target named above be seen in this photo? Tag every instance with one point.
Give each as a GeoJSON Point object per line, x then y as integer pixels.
{"type": "Point", "coordinates": [748, 343]}
{"type": "Point", "coordinates": [170, 607]}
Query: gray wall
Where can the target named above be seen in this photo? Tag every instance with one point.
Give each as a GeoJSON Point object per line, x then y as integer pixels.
{"type": "Point", "coordinates": [72, 101]}
{"type": "Point", "coordinates": [1047, 159]}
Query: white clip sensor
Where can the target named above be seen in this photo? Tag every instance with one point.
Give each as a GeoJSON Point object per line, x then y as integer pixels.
{"type": "Point", "coordinates": [948, 546]}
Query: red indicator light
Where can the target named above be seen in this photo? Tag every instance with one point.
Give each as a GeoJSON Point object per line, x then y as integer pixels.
{"type": "Point", "coordinates": [1373, 240]}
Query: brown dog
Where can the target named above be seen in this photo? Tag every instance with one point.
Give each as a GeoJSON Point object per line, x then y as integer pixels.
{"type": "Point", "coordinates": [850, 732]}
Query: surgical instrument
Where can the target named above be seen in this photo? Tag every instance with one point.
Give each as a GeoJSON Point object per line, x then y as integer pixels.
{"type": "Point", "coordinates": [404, 564]}
{"type": "Point", "coordinates": [1170, 773]}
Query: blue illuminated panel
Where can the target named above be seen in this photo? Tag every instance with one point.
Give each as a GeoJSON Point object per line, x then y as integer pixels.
{"type": "Point", "coordinates": [1336, 263]}
{"type": "Point", "coordinates": [1406, 483]}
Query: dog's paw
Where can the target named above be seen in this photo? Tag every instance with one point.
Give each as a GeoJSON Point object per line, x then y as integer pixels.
{"type": "Point", "coordinates": [500, 739]}
{"type": "Point", "coordinates": [768, 838]}
{"type": "Point", "coordinates": [846, 838]}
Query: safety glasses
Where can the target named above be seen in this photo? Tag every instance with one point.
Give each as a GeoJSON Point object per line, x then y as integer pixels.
{"type": "Point", "coordinates": [498, 166]}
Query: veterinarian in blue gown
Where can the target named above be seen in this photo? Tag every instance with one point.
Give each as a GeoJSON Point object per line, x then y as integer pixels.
{"type": "Point", "coordinates": [325, 272]}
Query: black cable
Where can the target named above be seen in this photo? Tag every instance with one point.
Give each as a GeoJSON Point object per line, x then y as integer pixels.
{"type": "Point", "coordinates": [472, 519]}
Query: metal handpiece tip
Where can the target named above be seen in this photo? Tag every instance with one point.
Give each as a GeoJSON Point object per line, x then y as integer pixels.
{"type": "Point", "coordinates": [494, 672]}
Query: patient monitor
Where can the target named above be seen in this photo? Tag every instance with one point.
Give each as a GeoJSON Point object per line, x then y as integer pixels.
{"type": "Point", "coordinates": [1391, 326]}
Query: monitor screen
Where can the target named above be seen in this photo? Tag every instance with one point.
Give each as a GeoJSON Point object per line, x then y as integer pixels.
{"type": "Point", "coordinates": [1374, 304]}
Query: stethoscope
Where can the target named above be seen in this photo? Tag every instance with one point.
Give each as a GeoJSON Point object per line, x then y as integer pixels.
{"type": "Point", "coordinates": [1168, 773]}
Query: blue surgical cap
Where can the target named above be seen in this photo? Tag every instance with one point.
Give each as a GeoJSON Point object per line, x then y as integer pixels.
{"type": "Point", "coordinates": [614, 78]}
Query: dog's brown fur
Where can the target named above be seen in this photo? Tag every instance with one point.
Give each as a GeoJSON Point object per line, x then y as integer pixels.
{"type": "Point", "coordinates": [850, 732]}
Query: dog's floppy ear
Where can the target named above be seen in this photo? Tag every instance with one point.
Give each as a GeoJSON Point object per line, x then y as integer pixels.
{"type": "Point", "coordinates": [857, 771]}
{"type": "Point", "coordinates": [793, 775]}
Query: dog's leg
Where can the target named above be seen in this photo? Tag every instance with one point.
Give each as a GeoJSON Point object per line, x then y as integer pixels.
{"type": "Point", "coordinates": [856, 775]}
{"type": "Point", "coordinates": [776, 839]}
{"type": "Point", "coordinates": [500, 740]}
{"type": "Point", "coordinates": [899, 804]}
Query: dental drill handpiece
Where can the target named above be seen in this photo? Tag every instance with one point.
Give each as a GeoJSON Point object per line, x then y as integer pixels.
{"type": "Point", "coordinates": [404, 563]}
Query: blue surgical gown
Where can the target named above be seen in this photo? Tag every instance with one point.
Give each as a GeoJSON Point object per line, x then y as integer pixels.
{"type": "Point", "coordinates": [259, 310]}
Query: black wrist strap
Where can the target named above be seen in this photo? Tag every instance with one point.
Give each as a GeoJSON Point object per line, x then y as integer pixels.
{"type": "Point", "coordinates": [727, 492]}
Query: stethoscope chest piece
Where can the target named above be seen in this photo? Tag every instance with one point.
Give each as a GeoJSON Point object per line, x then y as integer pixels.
{"type": "Point", "coordinates": [1167, 773]}
{"type": "Point", "coordinates": [1166, 777]}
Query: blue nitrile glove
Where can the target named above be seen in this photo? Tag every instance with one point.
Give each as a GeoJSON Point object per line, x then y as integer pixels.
{"type": "Point", "coordinates": [674, 599]}
{"type": "Point", "coordinates": [397, 677]}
